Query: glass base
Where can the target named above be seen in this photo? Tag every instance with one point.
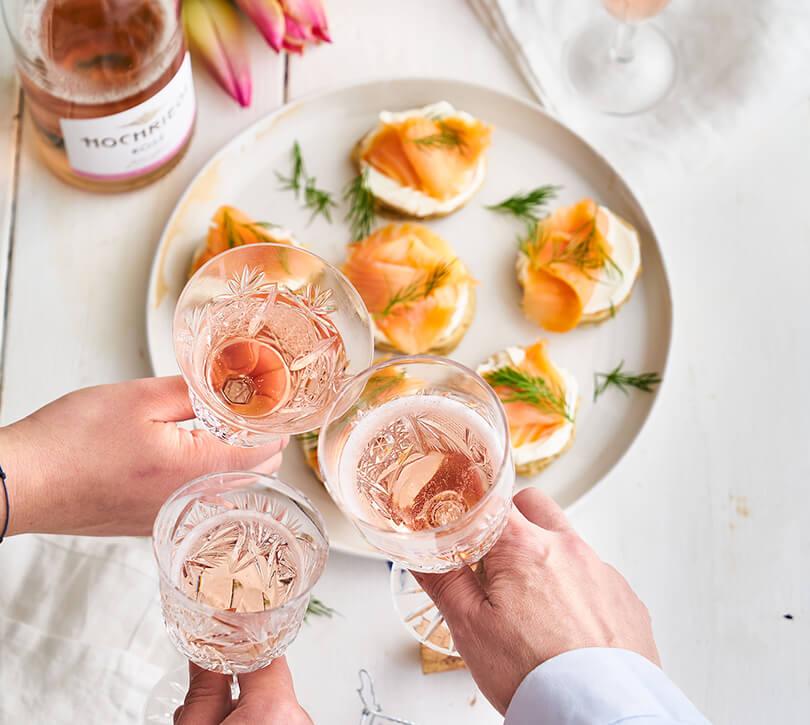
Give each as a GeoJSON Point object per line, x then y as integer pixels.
{"type": "Point", "coordinates": [166, 696]}
{"type": "Point", "coordinates": [419, 614]}
{"type": "Point", "coordinates": [169, 693]}
{"type": "Point", "coordinates": [231, 435]}
{"type": "Point", "coordinates": [620, 87]}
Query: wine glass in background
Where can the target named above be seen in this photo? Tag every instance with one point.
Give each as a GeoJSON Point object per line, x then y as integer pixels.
{"type": "Point", "coordinates": [619, 65]}
{"type": "Point", "coordinates": [238, 554]}
{"type": "Point", "coordinates": [415, 451]}
{"type": "Point", "coordinates": [265, 335]}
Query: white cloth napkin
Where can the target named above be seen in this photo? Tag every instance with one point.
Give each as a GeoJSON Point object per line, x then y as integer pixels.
{"type": "Point", "coordinates": [741, 62]}
{"type": "Point", "coordinates": [81, 636]}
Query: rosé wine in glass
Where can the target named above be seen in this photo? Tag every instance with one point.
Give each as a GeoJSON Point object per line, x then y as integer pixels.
{"type": "Point", "coordinates": [265, 336]}
{"type": "Point", "coordinates": [418, 462]}
{"type": "Point", "coordinates": [238, 554]}
{"type": "Point", "coordinates": [415, 451]}
{"type": "Point", "coordinates": [634, 11]}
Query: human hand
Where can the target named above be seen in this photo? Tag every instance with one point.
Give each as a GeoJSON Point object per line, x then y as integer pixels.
{"type": "Point", "coordinates": [266, 697]}
{"type": "Point", "coordinates": [102, 460]}
{"type": "Point", "coordinates": [539, 592]}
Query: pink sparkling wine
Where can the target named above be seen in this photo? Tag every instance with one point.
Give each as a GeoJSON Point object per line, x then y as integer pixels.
{"type": "Point", "coordinates": [418, 462]}
{"type": "Point", "coordinates": [272, 352]}
{"type": "Point", "coordinates": [633, 11]}
{"type": "Point", "coordinates": [240, 562]}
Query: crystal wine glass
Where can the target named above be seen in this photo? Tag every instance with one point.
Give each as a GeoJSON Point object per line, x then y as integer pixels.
{"type": "Point", "coordinates": [415, 451]}
{"type": "Point", "coordinates": [265, 335]}
{"type": "Point", "coordinates": [619, 65]}
{"type": "Point", "coordinates": [238, 554]}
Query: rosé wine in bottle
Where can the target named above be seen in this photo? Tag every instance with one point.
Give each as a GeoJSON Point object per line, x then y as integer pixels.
{"type": "Point", "coordinates": [108, 87]}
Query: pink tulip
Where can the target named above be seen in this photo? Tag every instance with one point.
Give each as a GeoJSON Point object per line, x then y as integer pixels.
{"type": "Point", "coordinates": [288, 24]}
{"type": "Point", "coordinates": [214, 33]}
{"type": "Point", "coordinates": [268, 17]}
{"type": "Point", "coordinates": [309, 16]}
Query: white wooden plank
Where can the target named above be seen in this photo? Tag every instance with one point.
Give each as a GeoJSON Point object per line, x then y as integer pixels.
{"type": "Point", "coordinates": [82, 260]}
{"type": "Point", "coordinates": [9, 115]}
{"type": "Point", "coordinates": [389, 39]}
{"type": "Point", "coordinates": [707, 515]}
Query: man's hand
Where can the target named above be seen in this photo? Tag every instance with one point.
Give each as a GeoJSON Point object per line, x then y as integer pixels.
{"type": "Point", "coordinates": [102, 460]}
{"type": "Point", "coordinates": [540, 591]}
{"type": "Point", "coordinates": [266, 697]}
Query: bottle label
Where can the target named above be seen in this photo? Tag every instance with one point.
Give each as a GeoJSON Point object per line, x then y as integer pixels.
{"type": "Point", "coordinates": [135, 141]}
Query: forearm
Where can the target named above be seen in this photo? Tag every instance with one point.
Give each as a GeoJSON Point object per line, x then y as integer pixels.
{"type": "Point", "coordinates": [600, 686]}
{"type": "Point", "coordinates": [24, 482]}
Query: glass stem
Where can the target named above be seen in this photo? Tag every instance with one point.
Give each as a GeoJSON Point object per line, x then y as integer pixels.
{"type": "Point", "coordinates": [622, 50]}
{"type": "Point", "coordinates": [234, 688]}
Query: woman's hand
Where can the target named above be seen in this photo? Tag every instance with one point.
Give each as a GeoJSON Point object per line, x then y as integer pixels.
{"type": "Point", "coordinates": [102, 460]}
{"type": "Point", "coordinates": [266, 697]}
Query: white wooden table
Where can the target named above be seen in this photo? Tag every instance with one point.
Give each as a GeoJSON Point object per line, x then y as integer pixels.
{"type": "Point", "coordinates": [705, 516]}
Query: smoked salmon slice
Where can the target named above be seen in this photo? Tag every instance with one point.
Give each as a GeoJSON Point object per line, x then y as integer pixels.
{"type": "Point", "coordinates": [411, 282]}
{"type": "Point", "coordinates": [560, 263]}
{"type": "Point", "coordinates": [230, 228]}
{"type": "Point", "coordinates": [531, 420]}
{"type": "Point", "coordinates": [437, 156]}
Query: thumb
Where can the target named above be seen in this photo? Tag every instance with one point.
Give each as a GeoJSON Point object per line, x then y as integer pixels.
{"type": "Point", "coordinates": [208, 701]}
{"type": "Point", "coordinates": [166, 397]}
{"type": "Point", "coordinates": [541, 509]}
{"type": "Point", "coordinates": [268, 696]}
{"type": "Point", "coordinates": [168, 402]}
{"type": "Point", "coordinates": [456, 593]}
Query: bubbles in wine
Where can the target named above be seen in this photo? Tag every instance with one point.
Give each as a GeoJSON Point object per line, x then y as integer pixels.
{"type": "Point", "coordinates": [97, 51]}
{"type": "Point", "coordinates": [419, 462]}
{"type": "Point", "coordinates": [239, 562]}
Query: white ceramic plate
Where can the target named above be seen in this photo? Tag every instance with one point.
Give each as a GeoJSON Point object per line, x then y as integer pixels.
{"type": "Point", "coordinates": [529, 148]}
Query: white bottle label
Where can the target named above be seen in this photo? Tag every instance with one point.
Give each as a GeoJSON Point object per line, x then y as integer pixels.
{"type": "Point", "coordinates": [137, 140]}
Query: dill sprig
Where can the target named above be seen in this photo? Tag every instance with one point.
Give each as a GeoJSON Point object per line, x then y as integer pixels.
{"type": "Point", "coordinates": [230, 230]}
{"type": "Point", "coordinates": [623, 380]}
{"type": "Point", "coordinates": [525, 388]}
{"type": "Point", "coordinates": [586, 254]}
{"type": "Point", "coordinates": [420, 289]}
{"type": "Point", "coordinates": [527, 206]}
{"type": "Point", "coordinates": [447, 137]}
{"type": "Point", "coordinates": [297, 174]}
{"type": "Point", "coordinates": [316, 608]}
{"type": "Point", "coordinates": [318, 201]}
{"type": "Point", "coordinates": [361, 215]}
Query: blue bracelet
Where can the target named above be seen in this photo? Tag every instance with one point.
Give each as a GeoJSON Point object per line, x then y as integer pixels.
{"type": "Point", "coordinates": [8, 511]}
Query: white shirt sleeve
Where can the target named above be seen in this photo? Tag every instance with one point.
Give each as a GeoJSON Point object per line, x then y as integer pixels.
{"type": "Point", "coordinates": [600, 686]}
